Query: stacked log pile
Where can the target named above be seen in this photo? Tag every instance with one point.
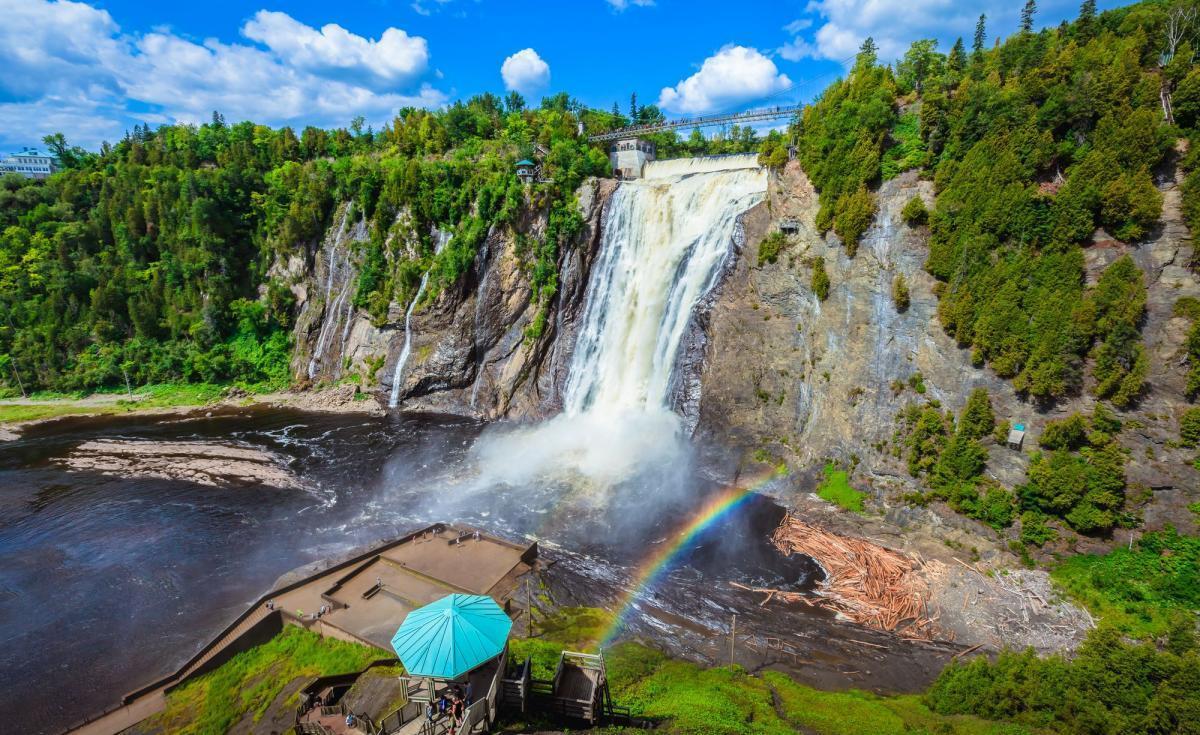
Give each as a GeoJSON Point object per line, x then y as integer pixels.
{"type": "Point", "coordinates": [864, 582]}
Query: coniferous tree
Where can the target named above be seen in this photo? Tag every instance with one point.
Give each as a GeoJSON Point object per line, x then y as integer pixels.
{"type": "Point", "coordinates": [868, 54]}
{"type": "Point", "coordinates": [1027, 14]}
{"type": "Point", "coordinates": [1086, 25]}
{"type": "Point", "coordinates": [980, 35]}
{"type": "Point", "coordinates": [633, 107]}
{"type": "Point", "coordinates": [957, 61]}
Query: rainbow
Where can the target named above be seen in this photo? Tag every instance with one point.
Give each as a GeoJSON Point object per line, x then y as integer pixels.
{"type": "Point", "coordinates": [657, 564]}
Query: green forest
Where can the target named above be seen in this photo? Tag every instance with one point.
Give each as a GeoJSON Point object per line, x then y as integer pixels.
{"type": "Point", "coordinates": [148, 262]}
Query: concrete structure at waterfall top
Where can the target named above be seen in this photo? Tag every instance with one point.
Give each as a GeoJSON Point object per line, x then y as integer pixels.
{"type": "Point", "coordinates": [630, 156]}
{"type": "Point", "coordinates": [362, 599]}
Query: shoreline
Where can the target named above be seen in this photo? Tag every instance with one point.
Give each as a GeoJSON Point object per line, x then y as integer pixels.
{"type": "Point", "coordinates": [337, 399]}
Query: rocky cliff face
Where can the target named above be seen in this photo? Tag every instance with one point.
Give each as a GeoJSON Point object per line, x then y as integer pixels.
{"type": "Point", "coordinates": [333, 339]}
{"type": "Point", "coordinates": [469, 349]}
{"type": "Point", "coordinates": [807, 379]}
{"type": "Point", "coordinates": [790, 378]}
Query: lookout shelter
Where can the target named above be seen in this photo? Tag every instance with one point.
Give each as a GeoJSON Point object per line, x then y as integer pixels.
{"type": "Point", "coordinates": [526, 171]}
{"type": "Point", "coordinates": [459, 643]}
{"type": "Point", "coordinates": [1016, 436]}
{"type": "Point", "coordinates": [456, 644]}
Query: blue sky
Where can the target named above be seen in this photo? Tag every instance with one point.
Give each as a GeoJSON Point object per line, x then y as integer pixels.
{"type": "Point", "coordinates": [92, 70]}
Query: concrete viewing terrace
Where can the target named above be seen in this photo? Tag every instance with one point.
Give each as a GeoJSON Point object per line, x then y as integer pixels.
{"type": "Point", "coordinates": [369, 601]}
{"type": "Point", "coordinates": [365, 599]}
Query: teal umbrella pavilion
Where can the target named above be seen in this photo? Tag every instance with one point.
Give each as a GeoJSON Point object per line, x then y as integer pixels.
{"type": "Point", "coordinates": [449, 637]}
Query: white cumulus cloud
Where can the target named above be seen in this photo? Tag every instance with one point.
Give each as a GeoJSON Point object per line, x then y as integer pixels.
{"type": "Point", "coordinates": [620, 5]}
{"type": "Point", "coordinates": [841, 25]}
{"type": "Point", "coordinates": [70, 68]}
{"type": "Point", "coordinates": [525, 72]}
{"type": "Point", "coordinates": [733, 75]}
{"type": "Point", "coordinates": [395, 58]}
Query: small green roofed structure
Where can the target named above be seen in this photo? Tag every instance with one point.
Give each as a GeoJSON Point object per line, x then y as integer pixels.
{"type": "Point", "coordinates": [452, 636]}
{"type": "Point", "coordinates": [526, 170]}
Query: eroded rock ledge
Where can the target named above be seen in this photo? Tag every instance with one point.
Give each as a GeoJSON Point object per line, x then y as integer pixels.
{"type": "Point", "coordinates": [204, 463]}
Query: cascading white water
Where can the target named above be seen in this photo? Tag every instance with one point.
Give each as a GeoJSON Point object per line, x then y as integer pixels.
{"type": "Point", "coordinates": [664, 242]}
{"type": "Point", "coordinates": [329, 316]}
{"type": "Point", "coordinates": [398, 374]}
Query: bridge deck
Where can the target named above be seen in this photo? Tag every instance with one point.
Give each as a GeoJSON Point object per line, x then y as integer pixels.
{"type": "Point", "coordinates": [769, 113]}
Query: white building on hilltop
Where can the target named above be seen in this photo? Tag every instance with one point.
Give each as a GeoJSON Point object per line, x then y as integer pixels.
{"type": "Point", "coordinates": [30, 164]}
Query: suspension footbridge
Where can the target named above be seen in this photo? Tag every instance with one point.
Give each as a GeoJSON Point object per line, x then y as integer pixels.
{"type": "Point", "coordinates": [747, 116]}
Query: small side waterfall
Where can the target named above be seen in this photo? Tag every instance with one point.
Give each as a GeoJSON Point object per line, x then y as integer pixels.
{"type": "Point", "coordinates": [406, 351]}
{"type": "Point", "coordinates": [664, 242]}
{"type": "Point", "coordinates": [330, 310]}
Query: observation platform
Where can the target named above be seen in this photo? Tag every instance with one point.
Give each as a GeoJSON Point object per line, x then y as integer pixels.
{"type": "Point", "coordinates": [362, 599]}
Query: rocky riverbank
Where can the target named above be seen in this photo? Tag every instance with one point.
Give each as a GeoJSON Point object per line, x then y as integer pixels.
{"type": "Point", "coordinates": [17, 415]}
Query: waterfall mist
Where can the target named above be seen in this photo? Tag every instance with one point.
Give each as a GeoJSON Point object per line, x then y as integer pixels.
{"type": "Point", "coordinates": [665, 239]}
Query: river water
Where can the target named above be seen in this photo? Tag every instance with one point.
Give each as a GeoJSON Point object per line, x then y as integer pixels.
{"type": "Point", "coordinates": [107, 583]}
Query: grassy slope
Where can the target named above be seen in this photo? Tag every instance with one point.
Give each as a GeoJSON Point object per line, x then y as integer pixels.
{"type": "Point", "coordinates": [1138, 590]}
{"type": "Point", "coordinates": [250, 681]}
{"type": "Point", "coordinates": [51, 405]}
{"type": "Point", "coordinates": [691, 700]}
{"type": "Point", "coordinates": [836, 489]}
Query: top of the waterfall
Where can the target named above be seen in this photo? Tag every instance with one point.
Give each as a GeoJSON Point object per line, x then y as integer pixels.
{"type": "Point", "coordinates": [705, 164]}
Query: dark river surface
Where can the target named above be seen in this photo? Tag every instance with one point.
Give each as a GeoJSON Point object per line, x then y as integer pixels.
{"type": "Point", "coordinates": [107, 583]}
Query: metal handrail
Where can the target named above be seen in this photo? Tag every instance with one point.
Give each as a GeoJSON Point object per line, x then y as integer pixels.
{"type": "Point", "coordinates": [402, 715]}
{"type": "Point", "coordinates": [702, 121]}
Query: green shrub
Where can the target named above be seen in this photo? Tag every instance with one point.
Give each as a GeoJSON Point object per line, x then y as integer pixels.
{"type": "Point", "coordinates": [1034, 531]}
{"type": "Point", "coordinates": [1139, 591]}
{"type": "Point", "coordinates": [820, 279]}
{"type": "Point", "coordinates": [908, 152]}
{"type": "Point", "coordinates": [1189, 427]}
{"type": "Point", "coordinates": [1187, 307]}
{"type": "Point", "coordinates": [855, 212]}
{"type": "Point", "coordinates": [925, 433]}
{"type": "Point", "coordinates": [1085, 489]}
{"type": "Point", "coordinates": [1117, 305]}
{"type": "Point", "coordinates": [900, 296]}
{"type": "Point", "coordinates": [914, 212]}
{"type": "Point", "coordinates": [983, 499]}
{"type": "Point", "coordinates": [770, 247]}
{"type": "Point", "coordinates": [1110, 687]}
{"type": "Point", "coordinates": [1068, 433]}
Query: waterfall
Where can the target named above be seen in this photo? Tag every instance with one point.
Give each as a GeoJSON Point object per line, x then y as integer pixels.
{"type": "Point", "coordinates": [663, 243]}
{"type": "Point", "coordinates": [330, 311]}
{"type": "Point", "coordinates": [665, 239]}
{"type": "Point", "coordinates": [398, 374]}
{"type": "Point", "coordinates": [476, 352]}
